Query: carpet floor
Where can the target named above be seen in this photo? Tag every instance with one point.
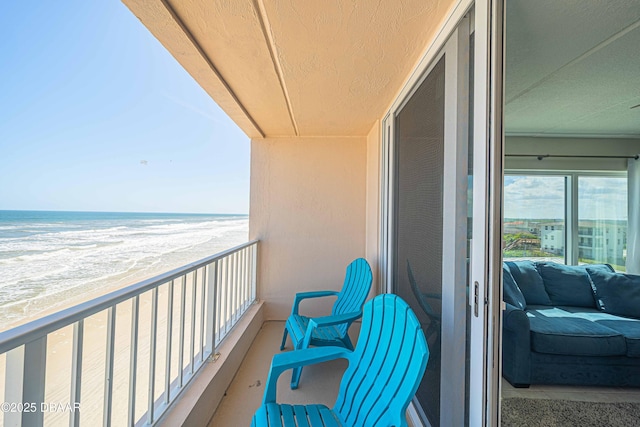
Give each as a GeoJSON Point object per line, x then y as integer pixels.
{"type": "Point", "coordinates": [520, 412]}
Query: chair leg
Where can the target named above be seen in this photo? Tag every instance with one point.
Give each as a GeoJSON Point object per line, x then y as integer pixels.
{"type": "Point", "coordinates": [297, 372]}
{"type": "Point", "coordinates": [295, 377]}
{"type": "Point", "coordinates": [284, 338]}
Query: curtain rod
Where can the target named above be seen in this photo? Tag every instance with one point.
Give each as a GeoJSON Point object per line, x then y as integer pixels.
{"type": "Point", "coordinates": [544, 156]}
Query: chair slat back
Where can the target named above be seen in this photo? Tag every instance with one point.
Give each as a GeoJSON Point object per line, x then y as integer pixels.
{"type": "Point", "coordinates": [385, 367]}
{"type": "Point", "coordinates": [357, 283]}
{"type": "Point", "coordinates": [420, 297]}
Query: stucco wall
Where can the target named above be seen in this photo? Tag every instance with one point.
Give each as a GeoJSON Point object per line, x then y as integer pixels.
{"type": "Point", "coordinates": [308, 203]}
{"type": "Point", "coordinates": [373, 202]}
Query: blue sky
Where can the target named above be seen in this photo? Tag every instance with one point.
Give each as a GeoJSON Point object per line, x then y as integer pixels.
{"type": "Point", "coordinates": [96, 115]}
{"type": "Point", "coordinates": [539, 196]}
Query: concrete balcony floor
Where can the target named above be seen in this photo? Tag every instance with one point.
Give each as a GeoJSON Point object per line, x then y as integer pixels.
{"type": "Point", "coordinates": [318, 384]}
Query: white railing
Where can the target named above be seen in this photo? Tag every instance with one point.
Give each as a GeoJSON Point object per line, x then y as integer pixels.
{"type": "Point", "coordinates": [130, 352]}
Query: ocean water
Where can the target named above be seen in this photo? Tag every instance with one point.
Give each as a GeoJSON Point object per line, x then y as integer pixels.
{"type": "Point", "coordinates": [53, 259]}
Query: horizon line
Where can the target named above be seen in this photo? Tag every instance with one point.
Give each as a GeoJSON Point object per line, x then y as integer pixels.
{"type": "Point", "coordinates": [129, 212]}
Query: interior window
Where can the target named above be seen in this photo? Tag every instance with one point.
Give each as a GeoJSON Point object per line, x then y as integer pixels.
{"type": "Point", "coordinates": [538, 219]}
{"type": "Point", "coordinates": [534, 217]}
{"type": "Point", "coordinates": [602, 220]}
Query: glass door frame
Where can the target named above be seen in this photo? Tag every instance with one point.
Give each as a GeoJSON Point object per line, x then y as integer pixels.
{"type": "Point", "coordinates": [485, 267]}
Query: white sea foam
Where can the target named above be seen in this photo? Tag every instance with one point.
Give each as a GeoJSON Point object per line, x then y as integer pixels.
{"type": "Point", "coordinates": [55, 262]}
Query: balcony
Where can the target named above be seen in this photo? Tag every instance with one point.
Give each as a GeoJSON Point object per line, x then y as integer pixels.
{"type": "Point", "coordinates": [216, 332]}
{"type": "Point", "coordinates": [128, 357]}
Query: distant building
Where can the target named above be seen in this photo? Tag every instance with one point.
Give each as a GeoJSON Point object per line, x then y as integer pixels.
{"type": "Point", "coordinates": [603, 241]}
{"type": "Point", "coordinates": [600, 241]}
{"type": "Point", "coordinates": [552, 237]}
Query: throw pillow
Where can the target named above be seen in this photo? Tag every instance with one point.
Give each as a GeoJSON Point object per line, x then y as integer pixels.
{"type": "Point", "coordinates": [600, 267]}
{"type": "Point", "coordinates": [568, 284]}
{"type": "Point", "coordinates": [617, 293]}
{"type": "Point", "coordinates": [529, 281]}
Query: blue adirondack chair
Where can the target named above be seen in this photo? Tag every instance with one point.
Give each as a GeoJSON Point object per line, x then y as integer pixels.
{"type": "Point", "coordinates": [330, 330]}
{"type": "Point", "coordinates": [434, 318]}
{"type": "Point", "coordinates": [383, 374]}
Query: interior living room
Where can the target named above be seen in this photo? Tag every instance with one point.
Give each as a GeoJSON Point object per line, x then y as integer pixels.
{"type": "Point", "coordinates": [571, 209]}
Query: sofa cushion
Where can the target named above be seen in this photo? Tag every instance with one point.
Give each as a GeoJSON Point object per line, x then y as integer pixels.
{"type": "Point", "coordinates": [630, 329]}
{"type": "Point", "coordinates": [567, 284]}
{"type": "Point", "coordinates": [529, 281]}
{"type": "Point", "coordinates": [510, 291]}
{"type": "Point", "coordinates": [616, 293]}
{"type": "Point", "coordinates": [558, 331]}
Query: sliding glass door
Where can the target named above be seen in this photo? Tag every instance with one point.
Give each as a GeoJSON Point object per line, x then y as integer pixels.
{"type": "Point", "coordinates": [428, 243]}
{"type": "Point", "coordinates": [440, 196]}
{"type": "Point", "coordinates": [417, 273]}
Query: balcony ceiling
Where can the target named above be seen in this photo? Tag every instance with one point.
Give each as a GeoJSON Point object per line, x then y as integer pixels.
{"type": "Point", "coordinates": [296, 68]}
{"type": "Point", "coordinates": [573, 68]}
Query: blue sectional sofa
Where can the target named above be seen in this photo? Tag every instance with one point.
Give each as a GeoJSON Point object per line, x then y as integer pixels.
{"type": "Point", "coordinates": [575, 325]}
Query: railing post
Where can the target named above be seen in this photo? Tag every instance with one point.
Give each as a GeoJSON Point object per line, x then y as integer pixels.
{"type": "Point", "coordinates": [212, 285]}
{"type": "Point", "coordinates": [203, 308]}
{"type": "Point", "coordinates": [232, 285]}
{"type": "Point", "coordinates": [133, 361]}
{"type": "Point", "coordinates": [167, 374]}
{"type": "Point", "coordinates": [244, 280]}
{"type": "Point", "coordinates": [219, 307]}
{"type": "Point", "coordinates": [76, 372]}
{"type": "Point", "coordinates": [24, 383]}
{"type": "Point", "coordinates": [225, 300]}
{"type": "Point", "coordinates": [194, 277]}
{"type": "Point", "coordinates": [183, 288]}
{"type": "Point", "coordinates": [13, 384]}
{"type": "Point", "coordinates": [152, 357]}
{"type": "Point", "coordinates": [254, 270]}
{"type": "Point", "coordinates": [108, 374]}
{"type": "Point", "coordinates": [238, 286]}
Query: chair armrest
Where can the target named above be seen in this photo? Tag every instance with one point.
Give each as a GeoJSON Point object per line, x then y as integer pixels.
{"type": "Point", "coordinates": [293, 359]}
{"type": "Point", "coordinates": [318, 322]}
{"type": "Point", "coordinates": [305, 295]}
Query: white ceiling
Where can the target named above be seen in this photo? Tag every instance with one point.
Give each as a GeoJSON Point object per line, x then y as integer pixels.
{"type": "Point", "coordinates": [573, 68]}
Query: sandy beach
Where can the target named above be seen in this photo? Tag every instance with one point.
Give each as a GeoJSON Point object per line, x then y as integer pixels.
{"type": "Point", "coordinates": [82, 260]}
{"type": "Point", "coordinates": [59, 352]}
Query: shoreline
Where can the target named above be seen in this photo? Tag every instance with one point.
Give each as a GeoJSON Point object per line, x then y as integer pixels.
{"type": "Point", "coordinates": [53, 260]}
{"type": "Point", "coordinates": [77, 300]}
{"type": "Point", "coordinates": [92, 289]}
{"type": "Point", "coordinates": [60, 342]}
